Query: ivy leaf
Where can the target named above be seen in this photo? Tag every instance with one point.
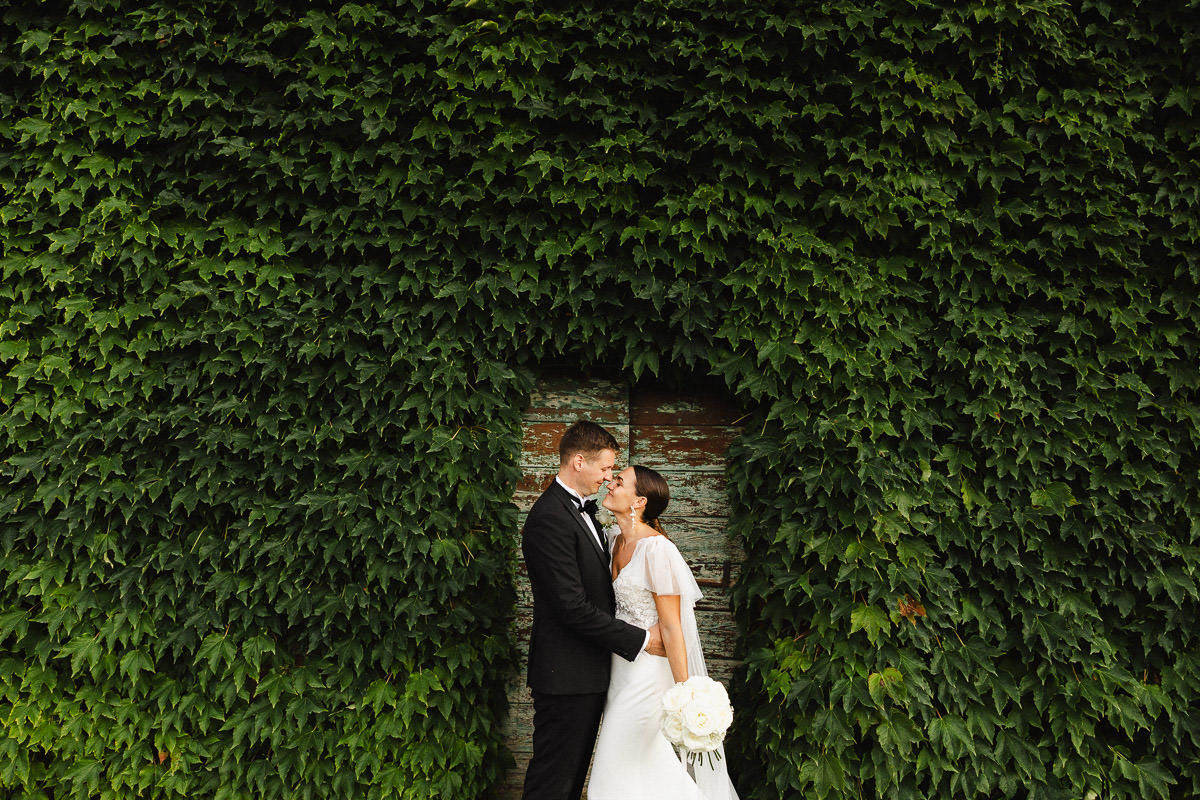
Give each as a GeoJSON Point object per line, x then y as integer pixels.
{"type": "Point", "coordinates": [889, 683]}
{"type": "Point", "coordinates": [14, 621]}
{"type": "Point", "coordinates": [134, 663]}
{"type": "Point", "coordinates": [950, 732]}
{"type": "Point", "coordinates": [1055, 496]}
{"type": "Point", "coordinates": [1152, 778]}
{"type": "Point", "coordinates": [35, 38]}
{"type": "Point", "coordinates": [83, 648]}
{"type": "Point", "coordinates": [216, 647]}
{"type": "Point", "coordinates": [871, 619]}
{"type": "Point", "coordinates": [826, 772]}
{"type": "Point", "coordinates": [253, 650]}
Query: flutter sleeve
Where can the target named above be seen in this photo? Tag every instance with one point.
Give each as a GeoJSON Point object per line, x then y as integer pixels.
{"type": "Point", "coordinates": [663, 570]}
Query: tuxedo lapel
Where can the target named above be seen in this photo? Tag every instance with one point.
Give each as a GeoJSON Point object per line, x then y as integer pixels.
{"type": "Point", "coordinates": [572, 510]}
{"type": "Point", "coordinates": [603, 538]}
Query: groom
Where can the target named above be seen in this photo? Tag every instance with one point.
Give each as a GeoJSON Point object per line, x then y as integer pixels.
{"type": "Point", "coordinates": [574, 629]}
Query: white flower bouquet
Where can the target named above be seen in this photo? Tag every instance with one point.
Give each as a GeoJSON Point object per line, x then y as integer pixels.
{"type": "Point", "coordinates": [696, 714]}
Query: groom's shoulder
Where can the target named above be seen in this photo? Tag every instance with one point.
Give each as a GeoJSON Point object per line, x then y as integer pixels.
{"type": "Point", "coordinates": [553, 490]}
{"type": "Point", "coordinates": [543, 516]}
{"type": "Point", "coordinates": [546, 501]}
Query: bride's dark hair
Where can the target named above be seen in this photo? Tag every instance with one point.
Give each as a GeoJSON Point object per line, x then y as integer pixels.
{"type": "Point", "coordinates": [649, 484]}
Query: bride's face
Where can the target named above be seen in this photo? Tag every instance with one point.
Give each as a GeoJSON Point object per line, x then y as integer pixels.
{"type": "Point", "coordinates": [621, 493]}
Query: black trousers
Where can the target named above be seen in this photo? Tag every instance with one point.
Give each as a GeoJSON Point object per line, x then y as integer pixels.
{"type": "Point", "coordinates": [564, 734]}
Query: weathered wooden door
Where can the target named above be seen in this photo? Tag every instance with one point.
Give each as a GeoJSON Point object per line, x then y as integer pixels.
{"type": "Point", "coordinates": [684, 436]}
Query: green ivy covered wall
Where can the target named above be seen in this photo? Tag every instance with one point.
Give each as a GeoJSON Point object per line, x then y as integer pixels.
{"type": "Point", "coordinates": [275, 281]}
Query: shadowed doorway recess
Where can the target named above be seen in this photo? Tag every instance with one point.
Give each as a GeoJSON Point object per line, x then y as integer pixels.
{"type": "Point", "coordinates": [682, 433]}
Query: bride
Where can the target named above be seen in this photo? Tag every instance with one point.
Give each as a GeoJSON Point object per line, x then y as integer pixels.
{"type": "Point", "coordinates": [652, 584]}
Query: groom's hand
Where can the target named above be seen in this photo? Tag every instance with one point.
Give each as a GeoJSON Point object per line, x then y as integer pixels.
{"type": "Point", "coordinates": [654, 646]}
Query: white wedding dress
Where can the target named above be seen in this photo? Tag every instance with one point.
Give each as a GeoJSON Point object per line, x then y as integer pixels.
{"type": "Point", "coordinates": [633, 760]}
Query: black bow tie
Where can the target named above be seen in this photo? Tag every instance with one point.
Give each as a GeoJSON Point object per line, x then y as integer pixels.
{"type": "Point", "coordinates": [588, 507]}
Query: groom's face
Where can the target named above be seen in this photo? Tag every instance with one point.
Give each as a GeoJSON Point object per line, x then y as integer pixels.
{"type": "Point", "coordinates": [596, 471]}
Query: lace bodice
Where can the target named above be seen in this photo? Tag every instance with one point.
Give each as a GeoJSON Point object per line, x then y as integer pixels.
{"type": "Point", "coordinates": [635, 604]}
{"type": "Point", "coordinates": [655, 567]}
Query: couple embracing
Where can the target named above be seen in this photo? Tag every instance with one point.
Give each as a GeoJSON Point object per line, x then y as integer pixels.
{"type": "Point", "coordinates": [613, 629]}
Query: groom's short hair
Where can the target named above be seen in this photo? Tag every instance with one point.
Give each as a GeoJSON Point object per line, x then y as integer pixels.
{"type": "Point", "coordinates": [587, 438]}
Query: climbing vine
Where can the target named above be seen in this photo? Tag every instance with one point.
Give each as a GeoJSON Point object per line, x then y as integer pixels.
{"type": "Point", "coordinates": [275, 281]}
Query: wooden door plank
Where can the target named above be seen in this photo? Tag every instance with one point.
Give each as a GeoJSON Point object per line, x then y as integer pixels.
{"type": "Point", "coordinates": [707, 404]}
{"type": "Point", "coordinates": [682, 447]}
{"type": "Point", "coordinates": [571, 397]}
{"type": "Point", "coordinates": [696, 493]}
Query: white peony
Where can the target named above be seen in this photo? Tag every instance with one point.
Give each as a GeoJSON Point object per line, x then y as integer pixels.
{"type": "Point", "coordinates": [697, 743]}
{"type": "Point", "coordinates": [677, 698]}
{"type": "Point", "coordinates": [699, 720]}
{"type": "Point", "coordinates": [723, 716]}
{"type": "Point", "coordinates": [672, 727]}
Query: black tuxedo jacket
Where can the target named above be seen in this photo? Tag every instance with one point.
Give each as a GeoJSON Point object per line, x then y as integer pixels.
{"type": "Point", "coordinates": [574, 629]}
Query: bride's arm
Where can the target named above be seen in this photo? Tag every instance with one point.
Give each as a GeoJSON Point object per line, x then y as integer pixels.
{"type": "Point", "coordinates": [672, 634]}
